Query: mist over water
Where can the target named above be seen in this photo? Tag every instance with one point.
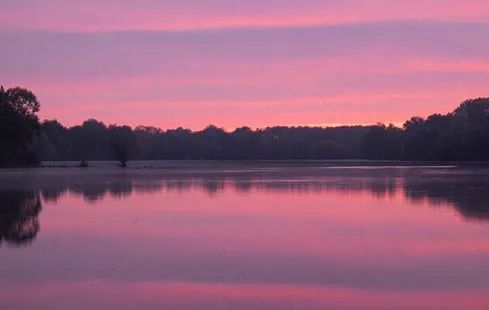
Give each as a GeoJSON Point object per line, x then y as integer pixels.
{"type": "Point", "coordinates": [244, 235]}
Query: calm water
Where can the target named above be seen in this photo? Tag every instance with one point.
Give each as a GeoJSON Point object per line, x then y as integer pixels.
{"type": "Point", "coordinates": [283, 235]}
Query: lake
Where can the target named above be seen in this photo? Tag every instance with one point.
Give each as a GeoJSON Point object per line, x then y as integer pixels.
{"type": "Point", "coordinates": [245, 235]}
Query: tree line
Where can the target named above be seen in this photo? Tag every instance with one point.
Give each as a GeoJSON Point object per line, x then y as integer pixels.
{"type": "Point", "coordinates": [462, 135]}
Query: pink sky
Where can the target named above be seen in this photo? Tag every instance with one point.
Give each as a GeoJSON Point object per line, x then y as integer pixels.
{"type": "Point", "coordinates": [231, 63]}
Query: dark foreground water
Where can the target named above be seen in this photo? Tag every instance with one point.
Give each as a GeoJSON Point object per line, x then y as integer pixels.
{"type": "Point", "coordinates": [286, 235]}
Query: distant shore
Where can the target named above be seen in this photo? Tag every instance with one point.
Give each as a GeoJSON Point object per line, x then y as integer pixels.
{"type": "Point", "coordinates": [165, 164]}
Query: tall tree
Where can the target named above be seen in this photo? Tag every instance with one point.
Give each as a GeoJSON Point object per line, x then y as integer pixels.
{"type": "Point", "coordinates": [19, 126]}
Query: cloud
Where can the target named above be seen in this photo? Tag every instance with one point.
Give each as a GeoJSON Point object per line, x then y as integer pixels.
{"type": "Point", "coordinates": [95, 15]}
{"type": "Point", "coordinates": [231, 70]}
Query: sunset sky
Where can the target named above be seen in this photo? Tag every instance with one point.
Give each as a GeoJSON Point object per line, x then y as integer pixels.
{"type": "Point", "coordinates": [230, 63]}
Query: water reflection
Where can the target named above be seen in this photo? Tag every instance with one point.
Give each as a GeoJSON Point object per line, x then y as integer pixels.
{"type": "Point", "coordinates": [19, 212]}
{"type": "Point", "coordinates": [467, 194]}
{"type": "Point", "coordinates": [261, 238]}
{"type": "Point", "coordinates": [464, 190]}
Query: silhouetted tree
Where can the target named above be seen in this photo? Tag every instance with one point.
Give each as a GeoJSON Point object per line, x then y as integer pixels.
{"type": "Point", "coordinates": [19, 126]}
{"type": "Point", "coordinates": [121, 139]}
{"type": "Point", "coordinates": [382, 142]}
{"type": "Point", "coordinates": [56, 141]}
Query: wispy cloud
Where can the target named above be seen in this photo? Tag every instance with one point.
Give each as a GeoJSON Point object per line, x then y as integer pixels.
{"type": "Point", "coordinates": [144, 76]}
{"type": "Point", "coordinates": [96, 15]}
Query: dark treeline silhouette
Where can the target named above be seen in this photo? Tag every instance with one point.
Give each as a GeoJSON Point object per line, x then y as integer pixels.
{"type": "Point", "coordinates": [94, 140]}
{"type": "Point", "coordinates": [462, 135]}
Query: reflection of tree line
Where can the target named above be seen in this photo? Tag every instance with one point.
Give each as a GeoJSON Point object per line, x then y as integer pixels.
{"type": "Point", "coordinates": [468, 195]}
{"type": "Point", "coordinates": [92, 192]}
